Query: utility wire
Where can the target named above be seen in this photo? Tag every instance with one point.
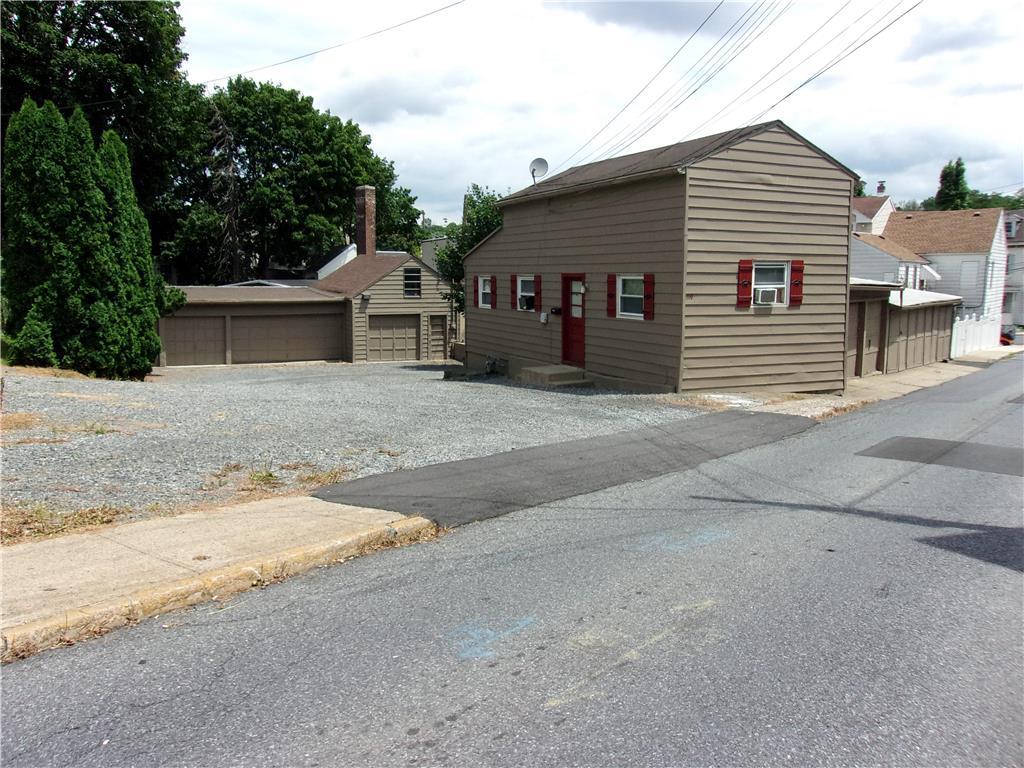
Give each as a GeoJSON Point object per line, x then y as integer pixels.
{"type": "Point", "coordinates": [338, 45]}
{"type": "Point", "coordinates": [275, 64]}
{"type": "Point", "coordinates": [841, 58]}
{"type": "Point", "coordinates": [761, 79]}
{"type": "Point", "coordinates": [712, 51]}
{"type": "Point", "coordinates": [729, 136]}
{"type": "Point", "coordinates": [679, 103]}
{"type": "Point", "coordinates": [645, 87]}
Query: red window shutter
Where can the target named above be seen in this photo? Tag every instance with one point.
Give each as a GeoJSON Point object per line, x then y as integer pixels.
{"type": "Point", "coordinates": [648, 296]}
{"type": "Point", "coordinates": [515, 293]}
{"type": "Point", "coordinates": [612, 298]}
{"type": "Point", "coordinates": [536, 293]}
{"type": "Point", "coordinates": [796, 283]}
{"type": "Point", "coordinates": [476, 290]}
{"type": "Point", "coordinates": [494, 291]}
{"type": "Point", "coordinates": [745, 283]}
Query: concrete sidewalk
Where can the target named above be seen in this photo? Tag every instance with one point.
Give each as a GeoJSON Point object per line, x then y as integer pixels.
{"type": "Point", "coordinates": [64, 589]}
{"type": "Point", "coordinates": [859, 392]}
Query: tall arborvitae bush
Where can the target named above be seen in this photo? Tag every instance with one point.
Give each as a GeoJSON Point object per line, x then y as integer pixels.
{"type": "Point", "coordinates": [78, 275]}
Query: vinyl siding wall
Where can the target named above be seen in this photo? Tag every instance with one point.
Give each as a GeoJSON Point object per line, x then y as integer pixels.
{"type": "Point", "coordinates": [869, 263]}
{"type": "Point", "coordinates": [769, 198]}
{"type": "Point", "coordinates": [387, 297]}
{"type": "Point", "coordinates": [628, 229]}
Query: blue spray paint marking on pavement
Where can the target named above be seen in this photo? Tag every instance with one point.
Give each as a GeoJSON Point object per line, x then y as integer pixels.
{"type": "Point", "coordinates": [678, 545]}
{"type": "Point", "coordinates": [476, 641]}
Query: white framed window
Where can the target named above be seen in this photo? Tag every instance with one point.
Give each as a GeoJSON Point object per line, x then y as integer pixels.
{"type": "Point", "coordinates": [771, 280]}
{"type": "Point", "coordinates": [630, 296]}
{"type": "Point", "coordinates": [412, 280]}
{"type": "Point", "coordinates": [485, 292]}
{"type": "Point", "coordinates": [526, 293]}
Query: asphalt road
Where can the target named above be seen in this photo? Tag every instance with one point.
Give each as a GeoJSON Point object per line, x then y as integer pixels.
{"type": "Point", "coordinates": [800, 603]}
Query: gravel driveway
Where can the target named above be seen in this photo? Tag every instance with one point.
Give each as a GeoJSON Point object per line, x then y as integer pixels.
{"type": "Point", "coordinates": [209, 435]}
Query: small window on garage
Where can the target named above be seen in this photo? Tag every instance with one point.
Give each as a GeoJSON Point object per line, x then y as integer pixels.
{"type": "Point", "coordinates": [631, 296]}
{"type": "Point", "coordinates": [485, 292]}
{"type": "Point", "coordinates": [413, 278]}
{"type": "Point", "coordinates": [770, 281]}
{"type": "Point", "coordinates": [527, 294]}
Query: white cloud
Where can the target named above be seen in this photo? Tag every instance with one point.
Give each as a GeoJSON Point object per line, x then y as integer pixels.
{"type": "Point", "coordinates": [474, 93]}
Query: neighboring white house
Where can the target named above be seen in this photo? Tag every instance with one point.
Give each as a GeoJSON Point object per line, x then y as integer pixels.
{"type": "Point", "coordinates": [874, 257]}
{"type": "Point", "coordinates": [871, 213]}
{"type": "Point", "coordinates": [967, 248]}
{"type": "Point", "coordinates": [1013, 304]}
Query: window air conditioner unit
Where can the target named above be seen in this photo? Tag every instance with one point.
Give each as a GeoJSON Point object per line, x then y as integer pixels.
{"type": "Point", "coordinates": [766, 296]}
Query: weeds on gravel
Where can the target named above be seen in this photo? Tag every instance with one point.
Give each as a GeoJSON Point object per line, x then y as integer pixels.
{"type": "Point", "coordinates": [325, 477]}
{"type": "Point", "coordinates": [23, 522]}
{"type": "Point", "coordinates": [11, 422]}
{"type": "Point", "coordinates": [262, 478]}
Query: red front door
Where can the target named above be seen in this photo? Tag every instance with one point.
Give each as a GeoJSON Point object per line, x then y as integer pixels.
{"type": "Point", "coordinates": [573, 319]}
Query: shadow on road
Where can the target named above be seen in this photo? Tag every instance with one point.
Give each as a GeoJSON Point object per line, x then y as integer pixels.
{"type": "Point", "coordinates": [997, 544]}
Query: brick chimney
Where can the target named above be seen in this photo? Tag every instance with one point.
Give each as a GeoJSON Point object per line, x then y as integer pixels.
{"type": "Point", "coordinates": [880, 189]}
{"type": "Point", "coordinates": [366, 221]}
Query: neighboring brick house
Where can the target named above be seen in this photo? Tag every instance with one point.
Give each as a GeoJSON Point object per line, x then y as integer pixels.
{"type": "Point", "coordinates": [720, 262]}
{"type": "Point", "coordinates": [967, 248]}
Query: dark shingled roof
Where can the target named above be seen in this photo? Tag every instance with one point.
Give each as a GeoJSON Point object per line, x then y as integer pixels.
{"type": "Point", "coordinates": [868, 205]}
{"type": "Point", "coordinates": [362, 272]}
{"type": "Point", "coordinates": [651, 161]}
{"type": "Point", "coordinates": [966, 231]}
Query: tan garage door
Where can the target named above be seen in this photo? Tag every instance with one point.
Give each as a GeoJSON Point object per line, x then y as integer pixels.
{"type": "Point", "coordinates": [280, 338]}
{"type": "Point", "coordinates": [393, 337]}
{"type": "Point", "coordinates": [438, 337]}
{"type": "Point", "coordinates": [193, 340]}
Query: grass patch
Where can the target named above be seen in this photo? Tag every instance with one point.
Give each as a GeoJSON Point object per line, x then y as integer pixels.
{"type": "Point", "coordinates": [262, 479]}
{"type": "Point", "coordinates": [26, 522]}
{"type": "Point", "coordinates": [12, 422]}
{"type": "Point", "coordinates": [325, 477]}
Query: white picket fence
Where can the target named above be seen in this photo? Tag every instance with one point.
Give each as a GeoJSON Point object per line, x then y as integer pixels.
{"type": "Point", "coordinates": [971, 333]}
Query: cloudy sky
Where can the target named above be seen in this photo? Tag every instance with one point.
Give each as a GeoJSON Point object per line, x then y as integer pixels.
{"type": "Point", "coordinates": [473, 93]}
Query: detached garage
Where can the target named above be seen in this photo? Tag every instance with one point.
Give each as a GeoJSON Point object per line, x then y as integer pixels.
{"type": "Point", "coordinates": [376, 306]}
{"type": "Point", "coordinates": [219, 326]}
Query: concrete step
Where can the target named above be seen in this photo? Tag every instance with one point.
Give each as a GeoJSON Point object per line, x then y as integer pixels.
{"type": "Point", "coordinates": [555, 376]}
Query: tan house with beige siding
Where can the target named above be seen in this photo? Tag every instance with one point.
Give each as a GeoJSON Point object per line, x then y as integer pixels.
{"type": "Point", "coordinates": [720, 262]}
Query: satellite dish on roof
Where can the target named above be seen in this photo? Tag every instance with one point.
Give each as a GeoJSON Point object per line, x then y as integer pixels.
{"type": "Point", "coordinates": [538, 168]}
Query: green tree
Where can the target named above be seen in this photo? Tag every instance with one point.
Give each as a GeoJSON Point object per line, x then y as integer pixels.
{"type": "Point", "coordinates": [78, 273]}
{"type": "Point", "coordinates": [480, 217]}
{"type": "Point", "coordinates": [121, 63]}
{"type": "Point", "coordinates": [858, 188]}
{"type": "Point", "coordinates": [953, 192]}
{"type": "Point", "coordinates": [280, 183]}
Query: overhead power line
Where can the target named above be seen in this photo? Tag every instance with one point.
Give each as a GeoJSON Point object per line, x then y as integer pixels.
{"type": "Point", "coordinates": [836, 61]}
{"type": "Point", "coordinates": [338, 45]}
{"type": "Point", "coordinates": [761, 79]}
{"type": "Point", "coordinates": [704, 82]}
{"type": "Point", "coordinates": [119, 99]}
{"type": "Point", "coordinates": [645, 86]}
{"type": "Point", "coordinates": [712, 51]}
{"type": "Point", "coordinates": [729, 136]}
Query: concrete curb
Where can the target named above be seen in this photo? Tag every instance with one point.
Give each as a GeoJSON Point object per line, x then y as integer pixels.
{"type": "Point", "coordinates": [67, 628]}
